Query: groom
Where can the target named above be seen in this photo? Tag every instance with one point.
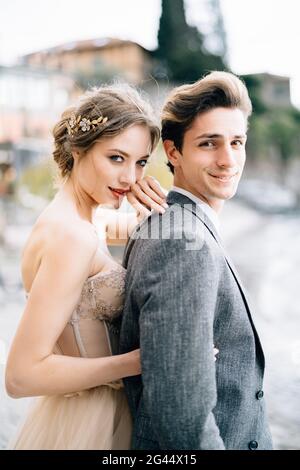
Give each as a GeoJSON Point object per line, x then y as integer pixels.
{"type": "Point", "coordinates": [183, 294]}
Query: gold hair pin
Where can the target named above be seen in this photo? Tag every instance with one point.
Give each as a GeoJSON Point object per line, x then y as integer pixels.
{"type": "Point", "coordinates": [84, 124]}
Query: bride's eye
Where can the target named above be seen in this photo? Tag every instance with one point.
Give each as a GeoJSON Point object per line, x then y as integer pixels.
{"type": "Point", "coordinates": [116, 158]}
{"type": "Point", "coordinates": [142, 162]}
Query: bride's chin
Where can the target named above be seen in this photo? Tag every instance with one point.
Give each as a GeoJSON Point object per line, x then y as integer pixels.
{"type": "Point", "coordinates": [108, 205]}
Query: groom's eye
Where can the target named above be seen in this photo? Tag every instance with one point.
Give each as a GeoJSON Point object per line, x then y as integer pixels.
{"type": "Point", "coordinates": [238, 143]}
{"type": "Point", "coordinates": [207, 144]}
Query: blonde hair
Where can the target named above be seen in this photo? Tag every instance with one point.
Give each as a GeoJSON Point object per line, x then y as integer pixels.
{"type": "Point", "coordinates": [120, 103]}
{"type": "Point", "coordinates": [186, 102]}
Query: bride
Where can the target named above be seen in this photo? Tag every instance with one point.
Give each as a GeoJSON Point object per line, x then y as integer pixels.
{"type": "Point", "coordinates": [61, 352]}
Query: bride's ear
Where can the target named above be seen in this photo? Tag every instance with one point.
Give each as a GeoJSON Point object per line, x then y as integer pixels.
{"type": "Point", "coordinates": [172, 153]}
{"type": "Point", "coordinates": [76, 155]}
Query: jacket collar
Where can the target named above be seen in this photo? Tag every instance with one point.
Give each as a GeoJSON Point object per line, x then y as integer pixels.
{"type": "Point", "coordinates": [174, 197]}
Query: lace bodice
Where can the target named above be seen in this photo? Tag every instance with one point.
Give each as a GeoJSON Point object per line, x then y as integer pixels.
{"type": "Point", "coordinates": [101, 301]}
{"type": "Point", "coordinates": [102, 296]}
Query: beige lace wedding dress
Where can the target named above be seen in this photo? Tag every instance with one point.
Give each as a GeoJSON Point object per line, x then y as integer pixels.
{"type": "Point", "coordinates": [98, 418]}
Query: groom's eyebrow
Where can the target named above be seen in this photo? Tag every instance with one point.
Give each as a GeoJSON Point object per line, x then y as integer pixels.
{"type": "Point", "coordinates": [209, 136]}
{"type": "Point", "coordinates": [218, 136]}
{"type": "Point", "coordinates": [125, 153]}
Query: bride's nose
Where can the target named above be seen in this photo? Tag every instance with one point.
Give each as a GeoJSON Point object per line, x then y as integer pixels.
{"type": "Point", "coordinates": [128, 175]}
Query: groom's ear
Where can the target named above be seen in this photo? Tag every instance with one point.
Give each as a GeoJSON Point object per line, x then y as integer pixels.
{"type": "Point", "coordinates": [172, 153]}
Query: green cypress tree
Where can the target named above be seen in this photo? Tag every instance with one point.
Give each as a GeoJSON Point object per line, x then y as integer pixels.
{"type": "Point", "coordinates": [180, 46]}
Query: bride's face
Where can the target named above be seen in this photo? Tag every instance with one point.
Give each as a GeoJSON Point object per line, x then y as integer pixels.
{"type": "Point", "coordinates": [106, 172]}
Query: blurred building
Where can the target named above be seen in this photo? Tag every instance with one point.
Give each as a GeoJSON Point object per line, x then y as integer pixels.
{"type": "Point", "coordinates": [275, 90]}
{"type": "Point", "coordinates": [30, 101]}
{"type": "Point", "coordinates": [104, 56]}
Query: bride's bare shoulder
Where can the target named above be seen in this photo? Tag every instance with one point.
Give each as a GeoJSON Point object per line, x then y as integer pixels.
{"type": "Point", "coordinates": [66, 228]}
{"type": "Point", "coordinates": [58, 238]}
{"type": "Point", "coordinates": [54, 229]}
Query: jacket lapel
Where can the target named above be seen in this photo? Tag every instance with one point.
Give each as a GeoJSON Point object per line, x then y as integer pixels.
{"type": "Point", "coordinates": [184, 201]}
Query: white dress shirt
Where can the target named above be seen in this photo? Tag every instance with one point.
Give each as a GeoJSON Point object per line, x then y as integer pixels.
{"type": "Point", "coordinates": [211, 213]}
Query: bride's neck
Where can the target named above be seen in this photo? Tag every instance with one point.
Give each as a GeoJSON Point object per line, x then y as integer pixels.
{"type": "Point", "coordinates": [81, 202]}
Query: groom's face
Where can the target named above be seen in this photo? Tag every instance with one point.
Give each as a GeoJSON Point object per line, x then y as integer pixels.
{"type": "Point", "coordinates": [213, 155]}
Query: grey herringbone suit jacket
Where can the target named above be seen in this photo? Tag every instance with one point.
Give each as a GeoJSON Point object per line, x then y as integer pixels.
{"type": "Point", "coordinates": [182, 296]}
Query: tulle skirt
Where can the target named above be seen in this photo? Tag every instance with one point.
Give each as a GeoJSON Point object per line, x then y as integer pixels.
{"type": "Point", "coordinates": [96, 419]}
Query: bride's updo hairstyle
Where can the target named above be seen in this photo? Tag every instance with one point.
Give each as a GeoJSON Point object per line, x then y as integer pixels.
{"type": "Point", "coordinates": [102, 112]}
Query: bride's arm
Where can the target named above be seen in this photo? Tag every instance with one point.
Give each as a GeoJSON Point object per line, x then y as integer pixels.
{"type": "Point", "coordinates": [32, 368]}
{"type": "Point", "coordinates": [145, 195]}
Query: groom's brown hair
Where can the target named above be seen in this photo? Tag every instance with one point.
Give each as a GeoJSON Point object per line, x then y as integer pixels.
{"type": "Point", "coordinates": [186, 102]}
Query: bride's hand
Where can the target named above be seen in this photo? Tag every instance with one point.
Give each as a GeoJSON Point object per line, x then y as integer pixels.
{"type": "Point", "coordinates": [216, 351]}
{"type": "Point", "coordinates": [132, 363]}
{"type": "Point", "coordinates": [146, 195]}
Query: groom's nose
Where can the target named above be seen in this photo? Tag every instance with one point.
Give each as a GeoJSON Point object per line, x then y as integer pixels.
{"type": "Point", "coordinates": [226, 156]}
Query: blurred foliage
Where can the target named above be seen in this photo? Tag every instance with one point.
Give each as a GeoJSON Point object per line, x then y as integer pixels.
{"type": "Point", "coordinates": [258, 138]}
{"type": "Point", "coordinates": [276, 128]}
{"type": "Point", "coordinates": [157, 167]}
{"type": "Point", "coordinates": [271, 126]}
{"type": "Point", "coordinates": [295, 113]}
{"type": "Point", "coordinates": [253, 84]}
{"type": "Point", "coordinates": [283, 132]}
{"type": "Point", "coordinates": [180, 51]}
{"type": "Point", "coordinates": [39, 179]}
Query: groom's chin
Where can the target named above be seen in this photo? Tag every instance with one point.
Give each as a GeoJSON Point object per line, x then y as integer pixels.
{"type": "Point", "coordinates": [229, 193]}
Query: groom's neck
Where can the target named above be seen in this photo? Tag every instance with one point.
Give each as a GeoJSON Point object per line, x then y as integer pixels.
{"type": "Point", "coordinates": [214, 203]}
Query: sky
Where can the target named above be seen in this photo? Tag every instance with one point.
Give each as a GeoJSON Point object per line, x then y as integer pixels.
{"type": "Point", "coordinates": [262, 35]}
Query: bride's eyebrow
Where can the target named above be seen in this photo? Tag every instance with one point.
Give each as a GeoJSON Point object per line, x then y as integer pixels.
{"type": "Point", "coordinates": [119, 151]}
{"type": "Point", "coordinates": [122, 152]}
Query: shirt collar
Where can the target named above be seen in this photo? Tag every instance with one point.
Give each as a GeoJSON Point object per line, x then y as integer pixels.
{"type": "Point", "coordinates": [211, 213]}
